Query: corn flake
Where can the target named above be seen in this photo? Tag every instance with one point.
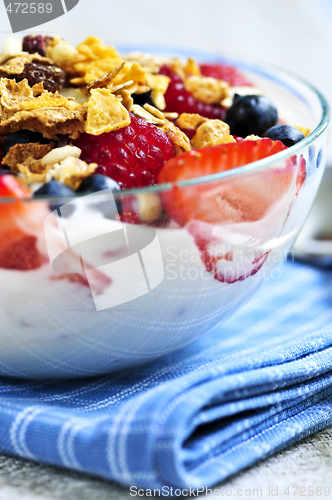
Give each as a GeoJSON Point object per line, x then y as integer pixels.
{"type": "Point", "coordinates": [105, 113]}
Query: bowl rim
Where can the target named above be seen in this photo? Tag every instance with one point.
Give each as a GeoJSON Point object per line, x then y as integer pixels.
{"type": "Point", "coordinates": [261, 67]}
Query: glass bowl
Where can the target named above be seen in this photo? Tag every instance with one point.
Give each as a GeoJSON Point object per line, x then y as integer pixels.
{"type": "Point", "coordinates": [108, 295]}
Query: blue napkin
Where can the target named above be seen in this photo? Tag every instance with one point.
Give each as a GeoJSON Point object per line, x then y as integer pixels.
{"type": "Point", "coordinates": [239, 394]}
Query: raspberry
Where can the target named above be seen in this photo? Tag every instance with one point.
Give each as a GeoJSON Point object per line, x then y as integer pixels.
{"type": "Point", "coordinates": [224, 72]}
{"type": "Point", "coordinates": [33, 44]}
{"type": "Point", "coordinates": [179, 100]}
{"type": "Point", "coordinates": [132, 156]}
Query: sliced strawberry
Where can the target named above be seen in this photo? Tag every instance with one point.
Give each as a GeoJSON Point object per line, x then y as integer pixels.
{"type": "Point", "coordinates": [240, 199]}
{"type": "Point", "coordinates": [17, 248]}
{"type": "Point", "coordinates": [226, 262]}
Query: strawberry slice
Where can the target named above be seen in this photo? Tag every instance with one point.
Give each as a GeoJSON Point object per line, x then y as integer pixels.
{"type": "Point", "coordinates": [17, 248]}
{"type": "Point", "coordinates": [243, 198]}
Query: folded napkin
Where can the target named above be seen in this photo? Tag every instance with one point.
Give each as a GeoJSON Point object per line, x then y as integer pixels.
{"type": "Point", "coordinates": [239, 394]}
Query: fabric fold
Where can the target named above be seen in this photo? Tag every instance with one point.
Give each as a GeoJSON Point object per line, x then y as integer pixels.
{"type": "Point", "coordinates": [195, 417]}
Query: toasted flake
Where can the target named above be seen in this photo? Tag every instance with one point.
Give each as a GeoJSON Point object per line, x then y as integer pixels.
{"type": "Point", "coordinates": [158, 85]}
{"type": "Point", "coordinates": [20, 152]}
{"type": "Point", "coordinates": [48, 121]}
{"type": "Point", "coordinates": [15, 65]}
{"type": "Point", "coordinates": [211, 133]}
{"type": "Point", "coordinates": [192, 68]}
{"type": "Point", "coordinates": [154, 111]}
{"type": "Point", "coordinates": [179, 139]}
{"type": "Point", "coordinates": [145, 115]}
{"type": "Point", "coordinates": [57, 155]}
{"type": "Point", "coordinates": [126, 99]}
{"type": "Point", "coordinates": [149, 207]}
{"type": "Point", "coordinates": [170, 115]}
{"type": "Point", "coordinates": [72, 171]}
{"type": "Point", "coordinates": [38, 89]}
{"type": "Point", "coordinates": [105, 80]}
{"type": "Point", "coordinates": [190, 120]}
{"type": "Point", "coordinates": [50, 114]}
{"type": "Point", "coordinates": [207, 89]}
{"type": "Point", "coordinates": [305, 131]}
{"type": "Point", "coordinates": [12, 94]}
{"type": "Point", "coordinates": [105, 113]}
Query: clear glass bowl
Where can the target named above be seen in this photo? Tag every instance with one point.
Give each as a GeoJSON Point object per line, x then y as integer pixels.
{"type": "Point", "coordinates": [110, 295]}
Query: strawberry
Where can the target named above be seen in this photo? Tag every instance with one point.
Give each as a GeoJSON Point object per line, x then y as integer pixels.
{"type": "Point", "coordinates": [244, 198]}
{"type": "Point", "coordinates": [17, 248]}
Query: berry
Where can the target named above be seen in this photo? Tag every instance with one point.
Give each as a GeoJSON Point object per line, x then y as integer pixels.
{"type": "Point", "coordinates": [132, 155]}
{"type": "Point", "coordinates": [240, 200]}
{"type": "Point", "coordinates": [179, 100]}
{"type": "Point", "coordinates": [225, 72]}
{"type": "Point", "coordinates": [97, 182]}
{"type": "Point", "coordinates": [22, 137]}
{"type": "Point", "coordinates": [17, 249]}
{"type": "Point", "coordinates": [251, 114]}
{"type": "Point", "coordinates": [55, 188]}
{"type": "Point", "coordinates": [144, 98]}
{"type": "Point", "coordinates": [285, 133]}
{"type": "Point", "coordinates": [33, 44]}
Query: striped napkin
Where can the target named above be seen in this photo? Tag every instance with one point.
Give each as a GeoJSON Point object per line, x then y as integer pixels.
{"type": "Point", "coordinates": [239, 394]}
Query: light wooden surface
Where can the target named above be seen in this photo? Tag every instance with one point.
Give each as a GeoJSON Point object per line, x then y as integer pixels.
{"type": "Point", "coordinates": [308, 463]}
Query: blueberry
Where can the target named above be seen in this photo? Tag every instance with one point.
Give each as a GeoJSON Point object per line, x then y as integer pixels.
{"type": "Point", "coordinates": [286, 134]}
{"type": "Point", "coordinates": [144, 98]}
{"type": "Point", "coordinates": [99, 182]}
{"type": "Point", "coordinates": [56, 189]}
{"type": "Point", "coordinates": [22, 137]}
{"type": "Point", "coordinates": [251, 114]}
{"type": "Point", "coordinates": [4, 171]}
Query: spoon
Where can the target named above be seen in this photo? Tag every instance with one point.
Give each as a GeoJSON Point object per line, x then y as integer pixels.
{"type": "Point", "coordinates": [314, 243]}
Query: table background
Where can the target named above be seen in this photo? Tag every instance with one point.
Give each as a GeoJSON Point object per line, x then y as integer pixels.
{"type": "Point", "coordinates": [295, 34]}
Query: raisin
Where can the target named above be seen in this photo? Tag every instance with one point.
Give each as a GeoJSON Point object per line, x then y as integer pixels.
{"type": "Point", "coordinates": [51, 76]}
{"type": "Point", "coordinates": [33, 44]}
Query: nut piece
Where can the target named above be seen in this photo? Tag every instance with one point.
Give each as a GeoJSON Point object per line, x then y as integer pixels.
{"type": "Point", "coordinates": [207, 89]}
{"type": "Point", "coordinates": [211, 133]}
{"type": "Point", "coordinates": [57, 155]}
{"type": "Point", "coordinates": [11, 47]}
{"type": "Point", "coordinates": [149, 207]}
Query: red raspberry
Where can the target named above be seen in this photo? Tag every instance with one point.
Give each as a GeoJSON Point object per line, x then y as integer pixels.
{"type": "Point", "coordinates": [34, 43]}
{"type": "Point", "coordinates": [132, 156]}
{"type": "Point", "coordinates": [224, 72]}
{"type": "Point", "coordinates": [179, 100]}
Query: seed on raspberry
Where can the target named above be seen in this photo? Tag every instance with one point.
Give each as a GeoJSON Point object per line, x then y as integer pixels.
{"type": "Point", "coordinates": [179, 100]}
{"type": "Point", "coordinates": [132, 156]}
{"type": "Point", "coordinates": [34, 43]}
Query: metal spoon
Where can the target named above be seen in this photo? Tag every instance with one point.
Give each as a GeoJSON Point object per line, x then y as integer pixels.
{"type": "Point", "coordinates": [314, 243]}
